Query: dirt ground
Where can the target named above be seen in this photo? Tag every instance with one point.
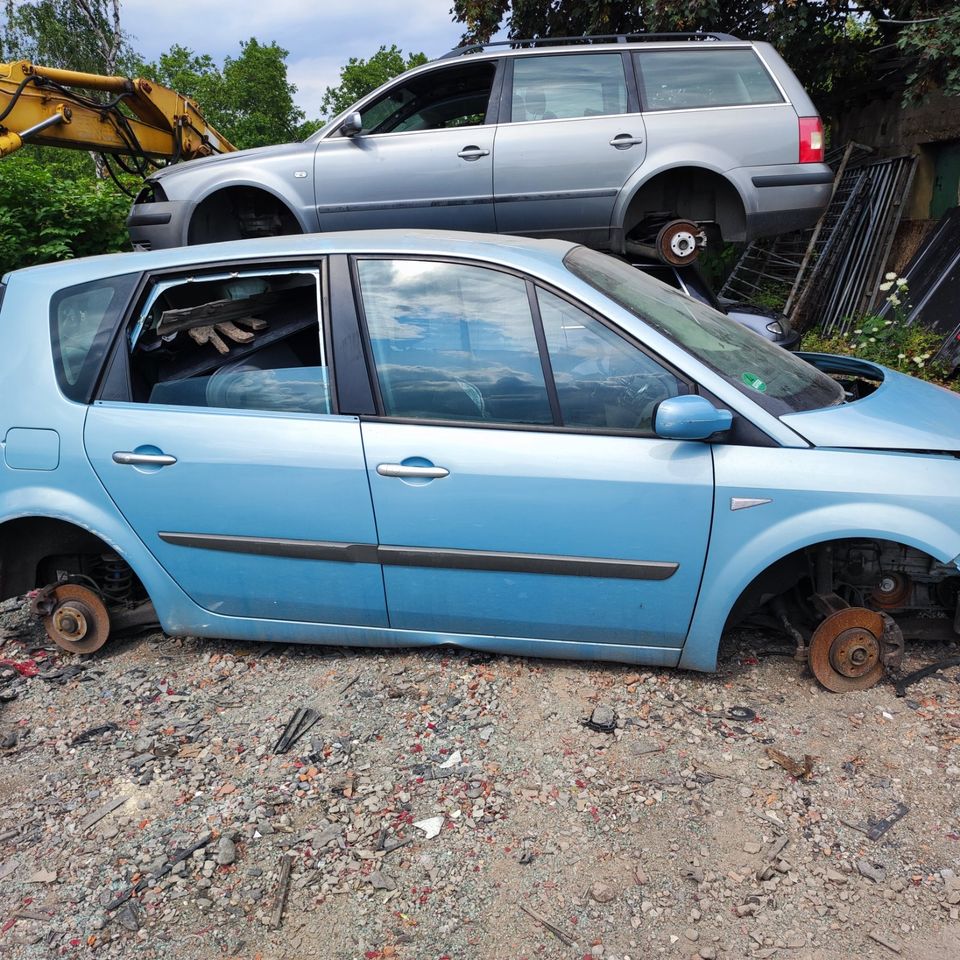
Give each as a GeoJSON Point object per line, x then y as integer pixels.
{"type": "Point", "coordinates": [675, 835]}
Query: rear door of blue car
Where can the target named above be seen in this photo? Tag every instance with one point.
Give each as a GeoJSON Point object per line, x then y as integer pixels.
{"type": "Point", "coordinates": [518, 487]}
{"type": "Point", "coordinates": [216, 432]}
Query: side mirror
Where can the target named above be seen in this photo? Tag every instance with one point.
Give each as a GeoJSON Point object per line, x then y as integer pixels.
{"type": "Point", "coordinates": [689, 418]}
{"type": "Point", "coordinates": [352, 125]}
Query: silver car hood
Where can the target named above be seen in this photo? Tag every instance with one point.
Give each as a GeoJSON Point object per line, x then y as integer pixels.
{"type": "Point", "coordinates": [238, 156]}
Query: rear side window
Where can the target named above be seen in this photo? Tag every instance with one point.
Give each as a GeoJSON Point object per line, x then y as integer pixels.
{"type": "Point", "coordinates": [689, 79]}
{"type": "Point", "coordinates": [82, 322]}
{"type": "Point", "coordinates": [239, 340]}
{"type": "Point", "coordinates": [579, 85]}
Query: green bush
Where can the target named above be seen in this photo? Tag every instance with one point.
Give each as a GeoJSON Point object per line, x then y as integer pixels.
{"type": "Point", "coordinates": [46, 216]}
{"type": "Point", "coordinates": [887, 340]}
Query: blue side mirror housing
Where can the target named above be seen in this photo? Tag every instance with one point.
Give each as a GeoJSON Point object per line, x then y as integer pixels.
{"type": "Point", "coordinates": [689, 418]}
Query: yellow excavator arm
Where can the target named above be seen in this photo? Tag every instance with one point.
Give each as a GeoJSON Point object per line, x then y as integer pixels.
{"type": "Point", "coordinates": [50, 107]}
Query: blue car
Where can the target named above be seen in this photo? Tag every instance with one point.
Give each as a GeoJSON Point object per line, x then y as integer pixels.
{"type": "Point", "coordinates": [418, 438]}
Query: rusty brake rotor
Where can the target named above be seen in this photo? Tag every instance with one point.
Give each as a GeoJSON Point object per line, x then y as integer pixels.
{"type": "Point", "coordinates": [846, 650]}
{"type": "Point", "coordinates": [77, 620]}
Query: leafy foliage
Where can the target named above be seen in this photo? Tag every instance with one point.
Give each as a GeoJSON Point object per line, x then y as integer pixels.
{"type": "Point", "coordinates": [250, 100]}
{"type": "Point", "coordinates": [358, 77]}
{"type": "Point", "coordinates": [73, 34]}
{"type": "Point", "coordinates": [829, 43]}
{"type": "Point", "coordinates": [887, 340]}
{"type": "Point", "coordinates": [45, 216]}
{"type": "Point", "coordinates": [935, 49]}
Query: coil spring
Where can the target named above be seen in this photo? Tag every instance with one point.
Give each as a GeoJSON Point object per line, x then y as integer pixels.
{"type": "Point", "coordinates": [117, 578]}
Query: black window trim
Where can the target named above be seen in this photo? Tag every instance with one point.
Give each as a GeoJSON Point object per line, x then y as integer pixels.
{"type": "Point", "coordinates": [116, 365]}
{"type": "Point", "coordinates": [687, 385]}
{"type": "Point", "coordinates": [629, 78]}
{"type": "Point", "coordinates": [93, 391]}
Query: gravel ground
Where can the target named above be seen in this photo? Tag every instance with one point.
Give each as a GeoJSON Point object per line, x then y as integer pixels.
{"type": "Point", "coordinates": [449, 804]}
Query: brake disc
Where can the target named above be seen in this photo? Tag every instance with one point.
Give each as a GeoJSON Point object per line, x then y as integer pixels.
{"type": "Point", "coordinates": [846, 650]}
{"type": "Point", "coordinates": [76, 619]}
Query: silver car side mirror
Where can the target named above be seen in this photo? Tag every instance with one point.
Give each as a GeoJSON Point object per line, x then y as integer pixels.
{"type": "Point", "coordinates": [352, 125]}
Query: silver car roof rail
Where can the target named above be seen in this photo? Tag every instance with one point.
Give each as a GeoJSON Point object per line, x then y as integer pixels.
{"type": "Point", "coordinates": [639, 37]}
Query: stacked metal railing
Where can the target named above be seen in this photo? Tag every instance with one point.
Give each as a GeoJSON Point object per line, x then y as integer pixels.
{"type": "Point", "coordinates": [830, 276]}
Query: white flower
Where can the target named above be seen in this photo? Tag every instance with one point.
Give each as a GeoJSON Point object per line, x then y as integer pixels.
{"type": "Point", "coordinates": [901, 356]}
{"type": "Point", "coordinates": [873, 339]}
{"type": "Point", "coordinates": [887, 323]}
{"type": "Point", "coordinates": [901, 282]}
{"type": "Point", "coordinates": [893, 300]}
{"type": "Point", "coordinates": [890, 276]}
{"type": "Point", "coordinates": [885, 286]}
{"type": "Point", "coordinates": [858, 331]}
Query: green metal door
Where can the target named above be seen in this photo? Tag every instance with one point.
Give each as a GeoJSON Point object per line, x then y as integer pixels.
{"type": "Point", "coordinates": [946, 182]}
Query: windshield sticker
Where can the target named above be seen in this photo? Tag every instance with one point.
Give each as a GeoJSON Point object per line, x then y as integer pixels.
{"type": "Point", "coordinates": [754, 382]}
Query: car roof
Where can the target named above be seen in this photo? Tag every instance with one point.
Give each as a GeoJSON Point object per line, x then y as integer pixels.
{"type": "Point", "coordinates": [506, 250]}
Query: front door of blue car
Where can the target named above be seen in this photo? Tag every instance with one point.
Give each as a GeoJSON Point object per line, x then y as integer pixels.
{"type": "Point", "coordinates": [217, 438]}
{"type": "Point", "coordinates": [518, 488]}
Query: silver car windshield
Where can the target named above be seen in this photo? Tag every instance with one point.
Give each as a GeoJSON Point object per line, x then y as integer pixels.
{"type": "Point", "coordinates": [771, 376]}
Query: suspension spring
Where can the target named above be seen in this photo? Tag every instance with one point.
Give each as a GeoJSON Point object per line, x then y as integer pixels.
{"type": "Point", "coordinates": [117, 579]}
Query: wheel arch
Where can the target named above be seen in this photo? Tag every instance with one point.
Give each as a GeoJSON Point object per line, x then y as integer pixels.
{"type": "Point", "coordinates": [219, 194]}
{"type": "Point", "coordinates": [85, 522]}
{"type": "Point", "coordinates": [694, 191]}
{"type": "Point", "coordinates": [730, 573]}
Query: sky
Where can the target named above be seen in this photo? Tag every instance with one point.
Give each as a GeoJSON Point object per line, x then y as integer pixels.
{"type": "Point", "coordinates": [320, 36]}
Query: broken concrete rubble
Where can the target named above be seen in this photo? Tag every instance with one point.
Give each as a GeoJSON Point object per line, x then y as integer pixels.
{"type": "Point", "coordinates": [662, 835]}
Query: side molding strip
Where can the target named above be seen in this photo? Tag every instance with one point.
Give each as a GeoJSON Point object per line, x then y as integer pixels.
{"type": "Point", "coordinates": [427, 556]}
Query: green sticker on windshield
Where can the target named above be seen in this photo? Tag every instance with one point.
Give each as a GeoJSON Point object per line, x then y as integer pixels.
{"type": "Point", "coordinates": [754, 382]}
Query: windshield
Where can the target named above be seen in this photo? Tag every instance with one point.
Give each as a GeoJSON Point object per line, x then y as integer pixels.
{"type": "Point", "coordinates": [771, 376]}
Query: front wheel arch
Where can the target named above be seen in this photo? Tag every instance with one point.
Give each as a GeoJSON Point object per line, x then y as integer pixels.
{"type": "Point", "coordinates": [240, 212]}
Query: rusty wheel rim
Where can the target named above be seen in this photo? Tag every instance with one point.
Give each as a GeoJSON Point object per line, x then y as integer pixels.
{"type": "Point", "coordinates": [846, 650]}
{"type": "Point", "coordinates": [78, 621]}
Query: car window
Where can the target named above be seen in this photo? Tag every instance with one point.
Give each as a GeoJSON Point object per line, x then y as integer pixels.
{"type": "Point", "coordinates": [246, 340]}
{"type": "Point", "coordinates": [578, 85]}
{"type": "Point", "coordinates": [602, 380]}
{"type": "Point", "coordinates": [772, 377]}
{"type": "Point", "coordinates": [451, 97]}
{"type": "Point", "coordinates": [453, 341]}
{"type": "Point", "coordinates": [684, 79]}
{"type": "Point", "coordinates": [82, 324]}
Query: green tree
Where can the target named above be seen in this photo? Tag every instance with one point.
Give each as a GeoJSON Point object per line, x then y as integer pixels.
{"type": "Point", "coordinates": [830, 44]}
{"type": "Point", "coordinates": [358, 77]}
{"type": "Point", "coordinates": [81, 35]}
{"type": "Point", "coordinates": [250, 100]}
{"type": "Point", "coordinates": [934, 49]}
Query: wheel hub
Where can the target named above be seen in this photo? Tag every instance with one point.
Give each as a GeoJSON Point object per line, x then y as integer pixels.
{"type": "Point", "coordinates": [846, 650]}
{"type": "Point", "coordinates": [679, 242]}
{"type": "Point", "coordinates": [854, 652]}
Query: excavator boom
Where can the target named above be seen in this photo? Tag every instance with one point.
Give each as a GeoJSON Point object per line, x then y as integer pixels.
{"type": "Point", "coordinates": [52, 107]}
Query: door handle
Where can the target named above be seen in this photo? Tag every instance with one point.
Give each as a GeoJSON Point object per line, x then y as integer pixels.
{"type": "Point", "coordinates": [129, 458]}
{"type": "Point", "coordinates": [402, 470]}
{"type": "Point", "coordinates": [473, 153]}
{"type": "Point", "coordinates": [623, 140]}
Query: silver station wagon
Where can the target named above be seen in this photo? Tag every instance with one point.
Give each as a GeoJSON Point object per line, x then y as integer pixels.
{"type": "Point", "coordinates": [643, 144]}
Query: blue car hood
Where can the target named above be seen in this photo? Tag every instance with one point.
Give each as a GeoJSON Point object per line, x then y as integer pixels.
{"type": "Point", "coordinates": [903, 413]}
